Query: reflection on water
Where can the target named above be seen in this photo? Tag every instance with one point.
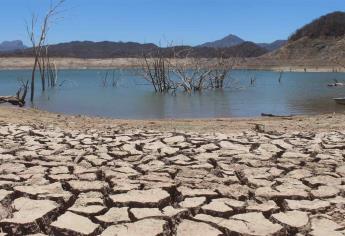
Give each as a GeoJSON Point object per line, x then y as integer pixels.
{"type": "Point", "coordinates": [82, 92]}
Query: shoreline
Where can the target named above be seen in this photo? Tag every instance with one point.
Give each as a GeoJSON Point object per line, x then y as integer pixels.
{"type": "Point", "coordinates": [315, 123]}
{"type": "Point", "coordinates": [24, 63]}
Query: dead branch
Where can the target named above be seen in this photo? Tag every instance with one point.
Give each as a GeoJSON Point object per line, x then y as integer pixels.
{"type": "Point", "coordinates": [19, 99]}
{"type": "Point", "coordinates": [156, 70]}
{"type": "Point", "coordinates": [38, 44]}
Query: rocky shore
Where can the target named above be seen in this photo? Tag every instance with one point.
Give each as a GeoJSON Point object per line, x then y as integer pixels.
{"type": "Point", "coordinates": [121, 181]}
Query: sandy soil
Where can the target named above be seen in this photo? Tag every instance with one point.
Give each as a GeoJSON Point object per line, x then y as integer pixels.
{"type": "Point", "coordinates": [77, 63]}
{"type": "Point", "coordinates": [325, 122]}
{"type": "Point", "coordinates": [70, 63]}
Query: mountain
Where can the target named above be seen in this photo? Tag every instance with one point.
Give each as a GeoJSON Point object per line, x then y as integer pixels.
{"type": "Point", "coordinates": [273, 46]}
{"type": "Point", "coordinates": [229, 41]}
{"type": "Point", "coordinates": [233, 40]}
{"type": "Point", "coordinates": [88, 49]}
{"type": "Point", "coordinates": [105, 49]}
{"type": "Point", "coordinates": [330, 25]}
{"type": "Point", "coordinates": [319, 43]}
{"type": "Point", "coordinates": [11, 45]}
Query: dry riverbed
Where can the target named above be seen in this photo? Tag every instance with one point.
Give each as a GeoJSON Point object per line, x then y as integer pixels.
{"type": "Point", "coordinates": [64, 175]}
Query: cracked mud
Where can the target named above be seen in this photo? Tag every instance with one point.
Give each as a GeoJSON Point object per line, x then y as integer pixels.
{"type": "Point", "coordinates": [146, 182]}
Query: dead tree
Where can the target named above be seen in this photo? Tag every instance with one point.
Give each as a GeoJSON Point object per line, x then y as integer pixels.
{"type": "Point", "coordinates": [252, 79]}
{"type": "Point", "coordinates": [197, 74]}
{"type": "Point", "coordinates": [19, 99]}
{"type": "Point", "coordinates": [182, 70]}
{"type": "Point", "coordinates": [47, 69]}
{"type": "Point", "coordinates": [191, 73]}
{"type": "Point", "coordinates": [51, 71]}
{"type": "Point", "coordinates": [110, 78]}
{"type": "Point", "coordinates": [280, 76]}
{"type": "Point", "coordinates": [221, 69]}
{"type": "Point", "coordinates": [38, 43]}
{"type": "Point", "coordinates": [156, 71]}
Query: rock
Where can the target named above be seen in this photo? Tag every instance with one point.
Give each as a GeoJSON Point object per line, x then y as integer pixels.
{"type": "Point", "coordinates": [141, 198]}
{"type": "Point", "coordinates": [190, 228]}
{"type": "Point", "coordinates": [28, 215]}
{"type": "Point", "coordinates": [115, 215]}
{"type": "Point", "coordinates": [73, 224]}
{"type": "Point", "coordinates": [296, 220]}
{"type": "Point", "coordinates": [147, 227]}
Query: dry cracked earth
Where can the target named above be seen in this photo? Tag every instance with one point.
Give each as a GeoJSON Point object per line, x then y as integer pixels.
{"type": "Point", "coordinates": [142, 182]}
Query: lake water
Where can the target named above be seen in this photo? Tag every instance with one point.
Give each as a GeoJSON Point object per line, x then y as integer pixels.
{"type": "Point", "coordinates": [82, 92]}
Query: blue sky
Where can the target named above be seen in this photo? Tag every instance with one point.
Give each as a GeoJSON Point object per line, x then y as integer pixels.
{"type": "Point", "coordinates": [189, 22]}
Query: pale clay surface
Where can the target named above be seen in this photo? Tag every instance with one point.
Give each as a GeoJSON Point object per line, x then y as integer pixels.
{"type": "Point", "coordinates": [56, 181]}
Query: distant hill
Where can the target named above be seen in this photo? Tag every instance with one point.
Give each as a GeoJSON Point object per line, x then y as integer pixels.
{"type": "Point", "coordinates": [233, 40]}
{"type": "Point", "coordinates": [321, 42]}
{"type": "Point", "coordinates": [330, 25]}
{"type": "Point", "coordinates": [11, 46]}
{"type": "Point", "coordinates": [273, 46]}
{"type": "Point", "coordinates": [229, 41]}
{"type": "Point", "coordinates": [88, 49]}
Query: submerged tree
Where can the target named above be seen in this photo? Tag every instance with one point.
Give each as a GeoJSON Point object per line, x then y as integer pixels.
{"type": "Point", "coordinates": [181, 69]}
{"type": "Point", "coordinates": [155, 67]}
{"type": "Point", "coordinates": [39, 48]}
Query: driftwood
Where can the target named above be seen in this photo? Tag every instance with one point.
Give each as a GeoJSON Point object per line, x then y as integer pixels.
{"type": "Point", "coordinates": [13, 100]}
{"type": "Point", "coordinates": [271, 115]}
{"type": "Point", "coordinates": [19, 99]}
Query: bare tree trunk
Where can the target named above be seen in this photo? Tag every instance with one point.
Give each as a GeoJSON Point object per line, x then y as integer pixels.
{"type": "Point", "coordinates": [38, 45]}
{"type": "Point", "coordinates": [33, 80]}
